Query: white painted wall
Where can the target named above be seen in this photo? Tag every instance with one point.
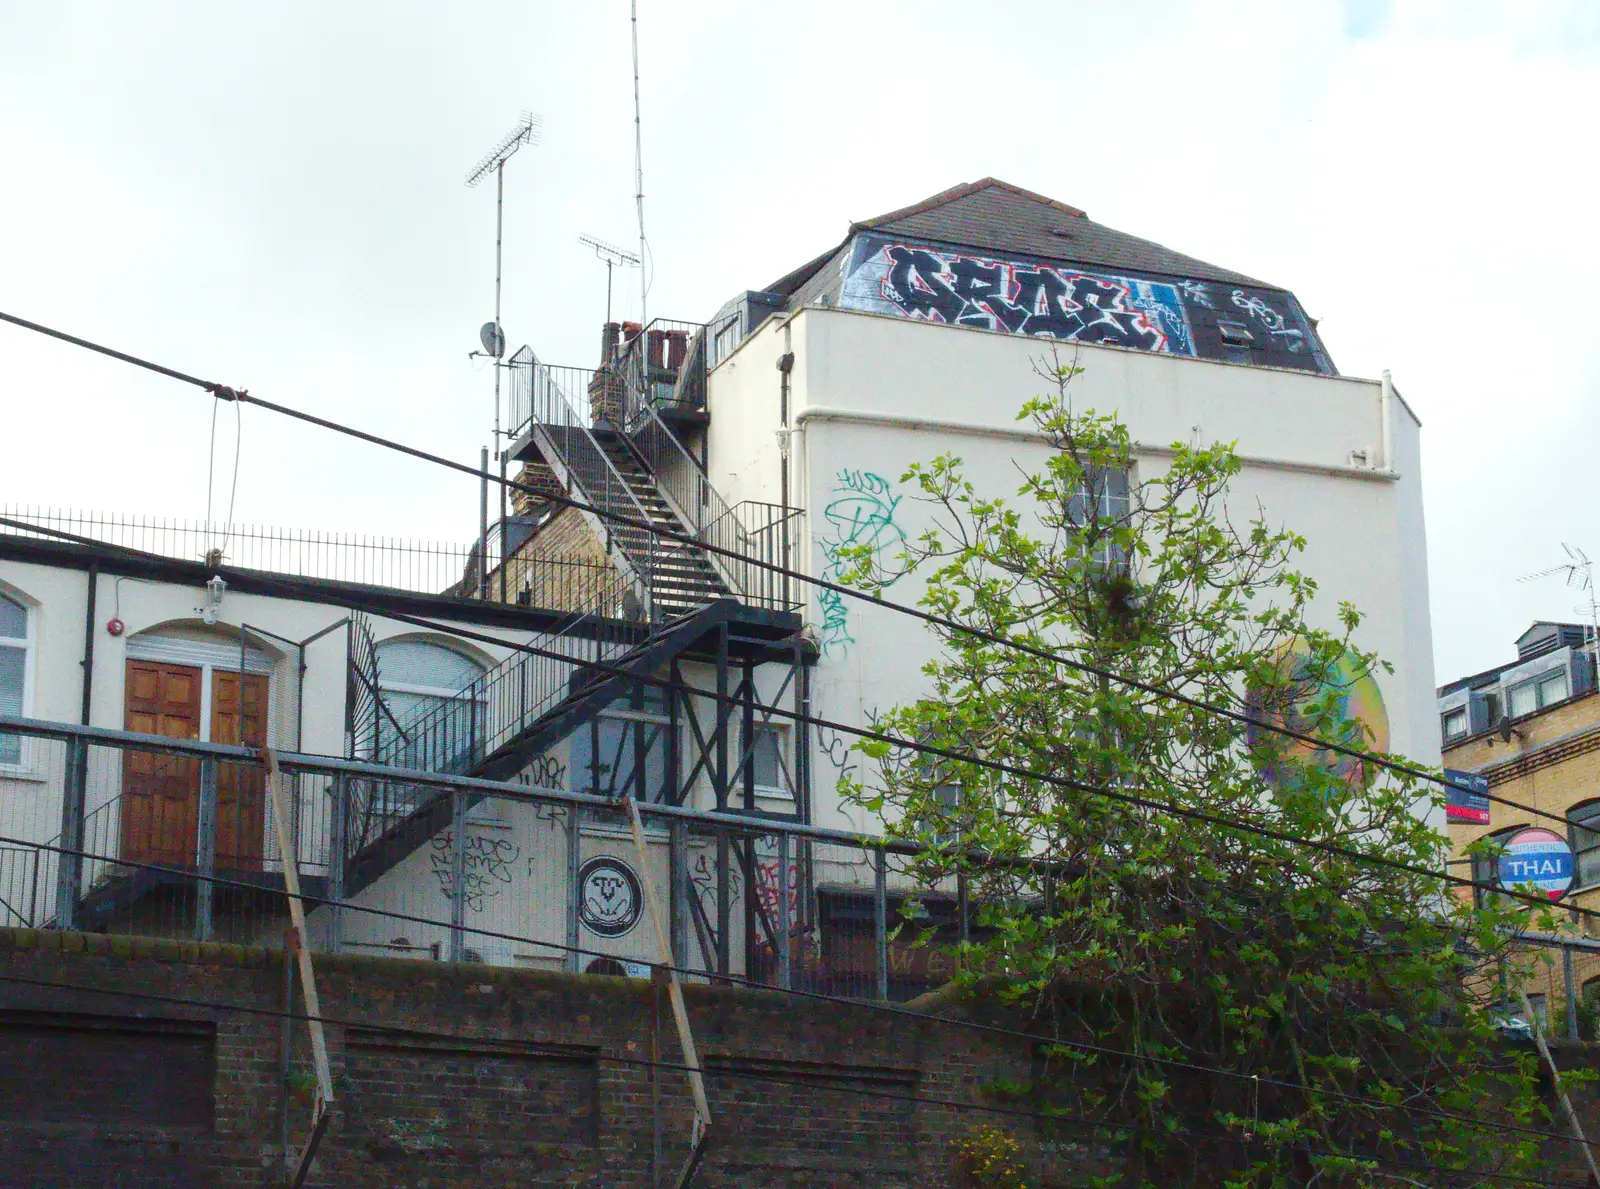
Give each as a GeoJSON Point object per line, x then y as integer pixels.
{"type": "Point", "coordinates": [874, 394]}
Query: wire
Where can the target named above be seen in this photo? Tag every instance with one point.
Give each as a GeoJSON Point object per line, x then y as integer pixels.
{"type": "Point", "coordinates": [873, 1005]}
{"type": "Point", "coordinates": [712, 1070]}
{"type": "Point", "coordinates": [1121, 796]}
{"type": "Point", "coordinates": [225, 393]}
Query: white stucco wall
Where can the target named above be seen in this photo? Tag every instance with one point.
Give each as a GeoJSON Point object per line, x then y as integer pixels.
{"type": "Point", "coordinates": [872, 395]}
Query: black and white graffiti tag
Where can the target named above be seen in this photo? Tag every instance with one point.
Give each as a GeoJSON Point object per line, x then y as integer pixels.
{"type": "Point", "coordinates": [1270, 319]}
{"type": "Point", "coordinates": [486, 866]}
{"type": "Point", "coordinates": [609, 896]}
{"type": "Point", "coordinates": [1020, 299]}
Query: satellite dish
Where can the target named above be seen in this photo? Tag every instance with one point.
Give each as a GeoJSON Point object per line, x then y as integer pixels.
{"type": "Point", "coordinates": [493, 340]}
{"type": "Point", "coordinates": [1506, 729]}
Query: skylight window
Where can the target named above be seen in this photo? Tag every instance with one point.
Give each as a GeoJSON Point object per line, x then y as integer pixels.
{"type": "Point", "coordinates": [1235, 333]}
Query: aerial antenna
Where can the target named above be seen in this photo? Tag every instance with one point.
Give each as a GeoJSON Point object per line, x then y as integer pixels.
{"type": "Point", "coordinates": [1578, 571]}
{"type": "Point", "coordinates": [638, 167]}
{"type": "Point", "coordinates": [613, 256]}
{"type": "Point", "coordinates": [492, 336]}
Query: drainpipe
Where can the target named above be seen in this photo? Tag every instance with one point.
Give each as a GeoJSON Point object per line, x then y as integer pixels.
{"type": "Point", "coordinates": [1387, 406]}
{"type": "Point", "coordinates": [88, 642]}
{"type": "Point", "coordinates": [785, 367]}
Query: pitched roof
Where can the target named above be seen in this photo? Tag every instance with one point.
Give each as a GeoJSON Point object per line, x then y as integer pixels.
{"type": "Point", "coordinates": [999, 217]}
{"type": "Point", "coordinates": [996, 216]}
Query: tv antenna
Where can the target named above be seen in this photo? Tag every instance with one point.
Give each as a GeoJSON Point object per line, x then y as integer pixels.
{"type": "Point", "coordinates": [613, 256]}
{"type": "Point", "coordinates": [638, 165]}
{"type": "Point", "coordinates": [1578, 571]}
{"type": "Point", "coordinates": [492, 335]}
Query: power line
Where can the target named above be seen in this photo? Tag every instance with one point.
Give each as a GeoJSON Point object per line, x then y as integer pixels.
{"type": "Point", "coordinates": [730, 1071]}
{"type": "Point", "coordinates": [1114, 794]}
{"type": "Point", "coordinates": [224, 392]}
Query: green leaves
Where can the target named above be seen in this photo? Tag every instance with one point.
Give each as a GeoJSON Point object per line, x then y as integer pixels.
{"type": "Point", "coordinates": [1152, 934]}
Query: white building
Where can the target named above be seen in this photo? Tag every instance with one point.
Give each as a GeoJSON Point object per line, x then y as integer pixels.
{"type": "Point", "coordinates": [775, 433]}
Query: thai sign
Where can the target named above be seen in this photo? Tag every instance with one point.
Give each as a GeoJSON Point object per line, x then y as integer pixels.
{"type": "Point", "coordinates": [1538, 857]}
{"type": "Point", "coordinates": [1041, 299]}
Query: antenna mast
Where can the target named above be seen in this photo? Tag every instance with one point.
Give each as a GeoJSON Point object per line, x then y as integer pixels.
{"type": "Point", "coordinates": [612, 255]}
{"type": "Point", "coordinates": [638, 166]}
{"type": "Point", "coordinates": [525, 133]}
{"type": "Point", "coordinates": [1579, 573]}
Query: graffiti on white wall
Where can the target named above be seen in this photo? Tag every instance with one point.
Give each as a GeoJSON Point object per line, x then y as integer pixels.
{"type": "Point", "coordinates": [861, 518]}
{"type": "Point", "coordinates": [486, 870]}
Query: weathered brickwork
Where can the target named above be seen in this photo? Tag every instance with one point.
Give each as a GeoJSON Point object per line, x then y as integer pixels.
{"type": "Point", "coordinates": [539, 1079]}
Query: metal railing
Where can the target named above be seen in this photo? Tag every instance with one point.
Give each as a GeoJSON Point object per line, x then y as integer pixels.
{"type": "Point", "coordinates": [545, 403]}
{"type": "Point", "coordinates": [765, 899]}
{"type": "Point", "coordinates": [424, 566]}
{"type": "Point", "coordinates": [754, 543]}
{"type": "Point", "coordinates": [663, 368]}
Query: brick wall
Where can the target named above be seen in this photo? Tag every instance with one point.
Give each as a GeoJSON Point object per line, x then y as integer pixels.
{"type": "Point", "coordinates": [539, 1083]}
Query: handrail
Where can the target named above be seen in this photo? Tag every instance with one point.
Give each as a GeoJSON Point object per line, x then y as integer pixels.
{"type": "Point", "coordinates": [551, 415]}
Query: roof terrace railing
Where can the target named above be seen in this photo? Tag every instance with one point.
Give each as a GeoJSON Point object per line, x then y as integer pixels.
{"type": "Point", "coordinates": [430, 567]}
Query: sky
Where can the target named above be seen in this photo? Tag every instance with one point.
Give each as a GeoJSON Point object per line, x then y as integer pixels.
{"type": "Point", "coordinates": [272, 196]}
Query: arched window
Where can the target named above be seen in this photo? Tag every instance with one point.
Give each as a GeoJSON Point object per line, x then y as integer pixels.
{"type": "Point", "coordinates": [428, 690]}
{"type": "Point", "coordinates": [16, 656]}
{"type": "Point", "coordinates": [1583, 832]}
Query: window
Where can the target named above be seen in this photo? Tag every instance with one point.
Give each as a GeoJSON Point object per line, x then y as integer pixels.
{"type": "Point", "coordinates": [1553, 688]}
{"type": "Point", "coordinates": [14, 653]}
{"type": "Point", "coordinates": [426, 687]}
{"type": "Point", "coordinates": [1454, 723]}
{"type": "Point", "coordinates": [1101, 503]}
{"type": "Point", "coordinates": [1583, 832]}
{"type": "Point", "coordinates": [767, 757]}
{"type": "Point", "coordinates": [623, 749]}
{"type": "Point", "coordinates": [1538, 693]}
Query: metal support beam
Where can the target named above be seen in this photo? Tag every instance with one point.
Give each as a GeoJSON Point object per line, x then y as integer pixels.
{"type": "Point", "coordinates": [338, 835]}
{"type": "Point", "coordinates": [458, 876]}
{"type": "Point", "coordinates": [785, 977]}
{"type": "Point", "coordinates": [574, 861]}
{"type": "Point", "coordinates": [679, 890]}
{"type": "Point", "coordinates": [747, 767]}
{"type": "Point", "coordinates": [880, 920]}
{"type": "Point", "coordinates": [1572, 992]}
{"type": "Point", "coordinates": [69, 866]}
{"type": "Point", "coordinates": [724, 902]}
{"type": "Point", "coordinates": [205, 858]}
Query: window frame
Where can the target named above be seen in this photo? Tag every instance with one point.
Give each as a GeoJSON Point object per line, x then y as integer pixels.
{"type": "Point", "coordinates": [24, 766]}
{"type": "Point", "coordinates": [1458, 713]}
{"type": "Point", "coordinates": [780, 732]}
{"type": "Point", "coordinates": [1574, 825]}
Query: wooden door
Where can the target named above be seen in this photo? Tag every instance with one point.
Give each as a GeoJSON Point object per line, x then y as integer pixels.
{"type": "Point", "coordinates": [161, 794]}
{"type": "Point", "coordinates": [241, 802]}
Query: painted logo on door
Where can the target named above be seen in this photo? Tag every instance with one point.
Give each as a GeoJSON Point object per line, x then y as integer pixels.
{"type": "Point", "coordinates": [609, 897]}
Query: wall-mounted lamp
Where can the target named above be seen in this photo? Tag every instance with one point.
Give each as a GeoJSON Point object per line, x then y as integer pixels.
{"type": "Point", "coordinates": [215, 589]}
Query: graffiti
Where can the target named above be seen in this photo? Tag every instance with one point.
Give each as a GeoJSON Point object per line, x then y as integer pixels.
{"type": "Point", "coordinates": [703, 878]}
{"type": "Point", "coordinates": [1042, 298]}
{"type": "Point", "coordinates": [547, 772]}
{"type": "Point", "coordinates": [486, 869]}
{"type": "Point", "coordinates": [861, 518]}
{"type": "Point", "coordinates": [767, 888]}
{"type": "Point", "coordinates": [1273, 321]}
{"type": "Point", "coordinates": [609, 897]}
{"type": "Point", "coordinates": [1016, 297]}
{"type": "Point", "coordinates": [837, 750]}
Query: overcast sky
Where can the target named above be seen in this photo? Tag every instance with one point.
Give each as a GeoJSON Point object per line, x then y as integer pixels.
{"type": "Point", "coordinates": [272, 196]}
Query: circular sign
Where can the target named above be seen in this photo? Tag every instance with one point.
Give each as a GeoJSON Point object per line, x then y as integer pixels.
{"type": "Point", "coordinates": [1538, 857]}
{"type": "Point", "coordinates": [609, 896]}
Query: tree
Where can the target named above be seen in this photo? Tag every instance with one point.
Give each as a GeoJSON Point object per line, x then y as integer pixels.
{"type": "Point", "coordinates": [1312, 978]}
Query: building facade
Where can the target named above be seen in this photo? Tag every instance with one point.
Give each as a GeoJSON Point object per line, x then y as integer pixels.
{"type": "Point", "coordinates": [575, 650]}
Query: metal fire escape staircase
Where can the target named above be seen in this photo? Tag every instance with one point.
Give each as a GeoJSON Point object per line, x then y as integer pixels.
{"type": "Point", "coordinates": [623, 460]}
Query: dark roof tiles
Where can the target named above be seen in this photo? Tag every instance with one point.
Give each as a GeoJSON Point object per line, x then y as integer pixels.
{"type": "Point", "coordinates": [991, 215]}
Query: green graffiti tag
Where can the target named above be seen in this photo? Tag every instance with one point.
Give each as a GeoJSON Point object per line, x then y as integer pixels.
{"type": "Point", "coordinates": [860, 517]}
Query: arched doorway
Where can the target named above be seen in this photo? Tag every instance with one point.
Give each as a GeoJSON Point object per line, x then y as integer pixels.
{"type": "Point", "coordinates": [190, 683]}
